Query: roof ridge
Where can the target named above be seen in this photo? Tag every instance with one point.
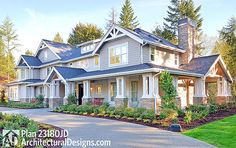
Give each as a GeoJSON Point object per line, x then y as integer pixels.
{"type": "Point", "coordinates": [207, 56]}
{"type": "Point", "coordinates": [67, 67]}
{"type": "Point", "coordinates": [28, 55]}
{"type": "Point", "coordinates": [57, 42]}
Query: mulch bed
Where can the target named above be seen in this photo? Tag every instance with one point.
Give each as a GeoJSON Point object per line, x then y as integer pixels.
{"type": "Point", "coordinates": [210, 118]}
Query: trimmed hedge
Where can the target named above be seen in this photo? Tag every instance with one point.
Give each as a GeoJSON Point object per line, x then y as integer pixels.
{"type": "Point", "coordinates": [23, 105]}
{"type": "Point", "coordinates": [107, 111]}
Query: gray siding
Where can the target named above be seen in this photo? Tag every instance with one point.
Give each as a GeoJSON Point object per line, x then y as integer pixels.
{"type": "Point", "coordinates": [133, 52]}
{"type": "Point", "coordinates": [146, 54]}
{"type": "Point", "coordinates": [50, 55]}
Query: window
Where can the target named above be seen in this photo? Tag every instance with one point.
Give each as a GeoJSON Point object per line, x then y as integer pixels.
{"type": "Point", "coordinates": [45, 55]}
{"type": "Point", "coordinates": [96, 60]}
{"type": "Point", "coordinates": [99, 89]}
{"type": "Point", "coordinates": [118, 54]}
{"type": "Point", "coordinates": [176, 59]}
{"type": "Point", "coordinates": [48, 70]}
{"type": "Point", "coordinates": [22, 73]}
{"type": "Point", "coordinates": [147, 85]}
{"type": "Point", "coordinates": [154, 54]}
{"type": "Point", "coordinates": [134, 91]}
{"type": "Point", "coordinates": [113, 90]}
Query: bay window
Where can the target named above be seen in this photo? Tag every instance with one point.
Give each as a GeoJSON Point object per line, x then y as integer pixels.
{"type": "Point", "coordinates": [118, 54]}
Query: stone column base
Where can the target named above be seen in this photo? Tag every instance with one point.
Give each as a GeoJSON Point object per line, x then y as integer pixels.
{"type": "Point", "coordinates": [223, 99]}
{"type": "Point", "coordinates": [55, 102]}
{"type": "Point", "coordinates": [147, 103]}
{"type": "Point", "coordinates": [86, 100]}
{"type": "Point", "coordinates": [119, 102]}
{"type": "Point", "coordinates": [199, 100]}
{"type": "Point", "coordinates": [65, 101]}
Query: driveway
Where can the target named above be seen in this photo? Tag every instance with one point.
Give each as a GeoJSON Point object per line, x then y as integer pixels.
{"type": "Point", "coordinates": [121, 134]}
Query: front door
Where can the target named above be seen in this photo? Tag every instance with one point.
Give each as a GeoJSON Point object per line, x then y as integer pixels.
{"type": "Point", "coordinates": [81, 93]}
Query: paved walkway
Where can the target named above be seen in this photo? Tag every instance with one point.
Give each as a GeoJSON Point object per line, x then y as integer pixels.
{"type": "Point", "coordinates": [121, 134]}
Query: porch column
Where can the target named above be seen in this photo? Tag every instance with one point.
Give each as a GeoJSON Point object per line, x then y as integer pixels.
{"type": "Point", "coordinates": [199, 91]}
{"type": "Point", "coordinates": [157, 98]}
{"type": "Point", "coordinates": [52, 89]}
{"type": "Point", "coordinates": [147, 100]}
{"type": "Point", "coordinates": [87, 96]}
{"type": "Point", "coordinates": [223, 91]}
{"type": "Point", "coordinates": [121, 87]}
{"type": "Point", "coordinates": [32, 91]}
{"type": "Point", "coordinates": [67, 92]}
{"type": "Point", "coordinates": [57, 84]}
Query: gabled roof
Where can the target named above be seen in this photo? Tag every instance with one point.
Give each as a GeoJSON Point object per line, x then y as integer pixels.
{"type": "Point", "coordinates": [200, 64]}
{"type": "Point", "coordinates": [31, 60]}
{"type": "Point", "coordinates": [26, 81]}
{"type": "Point", "coordinates": [64, 73]}
{"type": "Point", "coordinates": [139, 35]}
{"type": "Point", "coordinates": [56, 46]}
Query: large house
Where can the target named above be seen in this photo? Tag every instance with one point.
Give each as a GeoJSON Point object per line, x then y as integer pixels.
{"type": "Point", "coordinates": [122, 64]}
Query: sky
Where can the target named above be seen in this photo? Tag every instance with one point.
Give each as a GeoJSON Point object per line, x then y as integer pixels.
{"type": "Point", "coordinates": [42, 19]}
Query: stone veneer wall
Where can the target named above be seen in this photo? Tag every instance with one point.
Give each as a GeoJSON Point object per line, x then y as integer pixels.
{"type": "Point", "coordinates": [55, 102]}
{"type": "Point", "coordinates": [147, 103]}
{"type": "Point", "coordinates": [119, 102]}
{"type": "Point", "coordinates": [86, 100]}
{"type": "Point", "coordinates": [223, 99]}
{"type": "Point", "coordinates": [199, 100]}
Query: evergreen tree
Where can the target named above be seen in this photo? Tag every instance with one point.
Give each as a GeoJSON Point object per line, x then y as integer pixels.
{"type": "Point", "coordinates": [226, 46]}
{"type": "Point", "coordinates": [165, 33]}
{"type": "Point", "coordinates": [29, 52]}
{"type": "Point", "coordinates": [127, 17]}
{"type": "Point", "coordinates": [58, 38]}
{"type": "Point", "coordinates": [112, 18]}
{"type": "Point", "coordinates": [9, 38]}
{"type": "Point", "coordinates": [83, 33]}
{"type": "Point", "coordinates": [3, 59]}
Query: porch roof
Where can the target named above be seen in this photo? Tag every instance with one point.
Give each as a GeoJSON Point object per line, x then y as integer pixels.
{"type": "Point", "coordinates": [27, 81]}
{"type": "Point", "coordinates": [141, 68]}
{"type": "Point", "coordinates": [200, 65]}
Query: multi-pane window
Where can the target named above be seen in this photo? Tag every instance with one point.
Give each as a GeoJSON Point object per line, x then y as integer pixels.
{"type": "Point", "coordinates": [147, 85]}
{"type": "Point", "coordinates": [113, 90]}
{"type": "Point", "coordinates": [154, 54]}
{"type": "Point", "coordinates": [134, 91]}
{"type": "Point", "coordinates": [118, 54]}
{"type": "Point", "coordinates": [23, 73]}
{"type": "Point", "coordinates": [99, 89]}
{"type": "Point", "coordinates": [176, 59]}
{"type": "Point", "coordinates": [96, 60]}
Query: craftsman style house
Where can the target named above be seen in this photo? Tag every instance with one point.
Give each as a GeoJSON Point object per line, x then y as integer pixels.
{"type": "Point", "coordinates": [123, 64]}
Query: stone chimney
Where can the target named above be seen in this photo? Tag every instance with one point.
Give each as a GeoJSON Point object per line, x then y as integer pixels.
{"type": "Point", "coordinates": [186, 39]}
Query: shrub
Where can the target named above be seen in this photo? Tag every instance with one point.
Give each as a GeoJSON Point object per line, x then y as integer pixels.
{"type": "Point", "coordinates": [72, 99]}
{"type": "Point", "coordinates": [169, 114]}
{"type": "Point", "coordinates": [40, 99]}
{"type": "Point", "coordinates": [110, 110]}
{"type": "Point", "coordinates": [138, 112]}
{"type": "Point", "coordinates": [147, 121]}
{"type": "Point", "coordinates": [197, 108]}
{"type": "Point", "coordinates": [119, 111]}
{"type": "Point", "coordinates": [129, 112]}
{"type": "Point", "coordinates": [148, 114]}
{"type": "Point", "coordinates": [188, 117]}
{"type": "Point", "coordinates": [3, 98]}
{"type": "Point", "coordinates": [169, 91]}
{"type": "Point", "coordinates": [102, 109]}
{"type": "Point", "coordinates": [126, 102]}
{"type": "Point", "coordinates": [213, 108]}
{"type": "Point", "coordinates": [175, 120]}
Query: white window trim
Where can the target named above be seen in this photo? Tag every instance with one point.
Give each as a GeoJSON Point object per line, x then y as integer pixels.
{"type": "Point", "coordinates": [109, 49]}
{"type": "Point", "coordinates": [109, 92]}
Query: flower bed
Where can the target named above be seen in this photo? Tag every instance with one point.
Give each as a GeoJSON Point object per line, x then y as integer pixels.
{"type": "Point", "coordinates": [193, 116]}
{"type": "Point", "coordinates": [23, 105]}
{"type": "Point", "coordinates": [19, 122]}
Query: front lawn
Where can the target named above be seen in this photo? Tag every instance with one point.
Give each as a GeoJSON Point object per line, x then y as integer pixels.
{"type": "Point", "coordinates": [220, 133]}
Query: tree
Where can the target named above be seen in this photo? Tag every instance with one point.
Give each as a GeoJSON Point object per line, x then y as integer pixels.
{"type": "Point", "coordinates": [112, 18]}
{"type": "Point", "coordinates": [58, 38]}
{"type": "Point", "coordinates": [9, 38]}
{"type": "Point", "coordinates": [181, 9]}
{"type": "Point", "coordinates": [226, 46]}
{"type": "Point", "coordinates": [165, 33]}
{"type": "Point", "coordinates": [169, 91]}
{"type": "Point", "coordinates": [83, 33]}
{"type": "Point", "coordinates": [29, 52]}
{"type": "Point", "coordinates": [127, 17]}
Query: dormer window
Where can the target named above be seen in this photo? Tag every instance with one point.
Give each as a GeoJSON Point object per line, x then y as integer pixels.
{"type": "Point", "coordinates": [87, 48]}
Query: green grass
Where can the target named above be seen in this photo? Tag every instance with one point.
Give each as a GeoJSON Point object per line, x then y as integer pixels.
{"type": "Point", "coordinates": [221, 133]}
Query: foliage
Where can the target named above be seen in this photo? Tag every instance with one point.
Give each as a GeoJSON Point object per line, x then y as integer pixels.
{"type": "Point", "coordinates": [165, 33]}
{"type": "Point", "coordinates": [9, 39]}
{"type": "Point", "coordinates": [58, 38]}
{"type": "Point", "coordinates": [3, 98]}
{"type": "Point", "coordinates": [72, 98]}
{"type": "Point", "coordinates": [40, 99]}
{"type": "Point", "coordinates": [24, 105]}
{"type": "Point", "coordinates": [127, 17]}
{"type": "Point", "coordinates": [213, 108]}
{"type": "Point", "coordinates": [83, 33]}
{"type": "Point", "coordinates": [29, 52]}
{"type": "Point", "coordinates": [198, 111]}
{"type": "Point", "coordinates": [220, 133]}
{"type": "Point", "coordinates": [148, 114]}
{"type": "Point", "coordinates": [126, 101]}
{"type": "Point", "coordinates": [212, 89]}
{"type": "Point", "coordinates": [226, 46]}
{"type": "Point", "coordinates": [168, 114]}
{"type": "Point", "coordinates": [188, 117]}
{"type": "Point", "coordinates": [169, 96]}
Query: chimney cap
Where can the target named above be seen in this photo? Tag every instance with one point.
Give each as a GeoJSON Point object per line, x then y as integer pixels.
{"type": "Point", "coordinates": [187, 21]}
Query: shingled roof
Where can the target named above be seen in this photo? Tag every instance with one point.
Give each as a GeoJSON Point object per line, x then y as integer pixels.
{"type": "Point", "coordinates": [200, 65]}
{"type": "Point", "coordinates": [68, 72]}
{"type": "Point", "coordinates": [31, 60]}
